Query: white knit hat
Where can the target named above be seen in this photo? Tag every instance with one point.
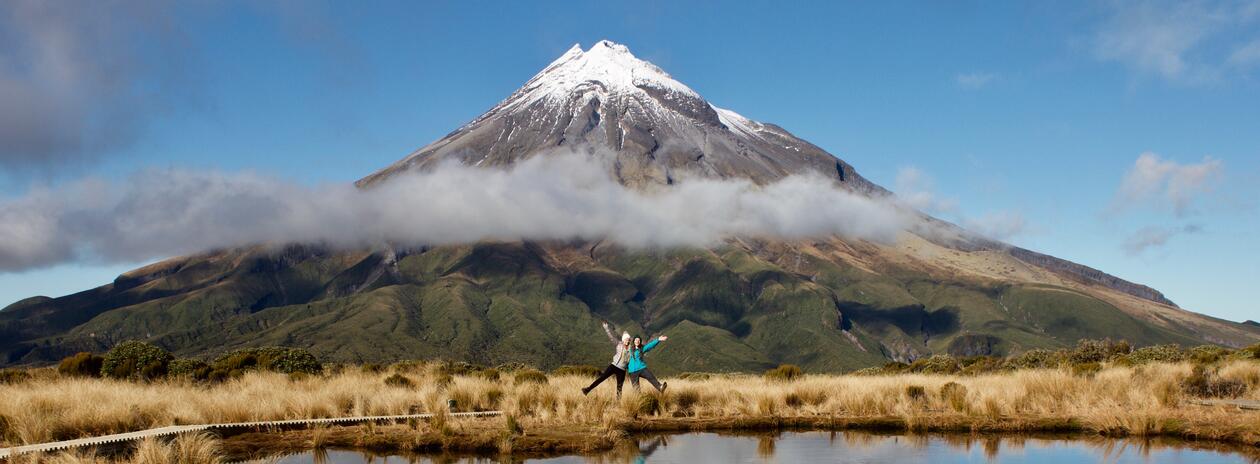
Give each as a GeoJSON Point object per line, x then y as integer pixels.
{"type": "Point", "coordinates": [625, 337]}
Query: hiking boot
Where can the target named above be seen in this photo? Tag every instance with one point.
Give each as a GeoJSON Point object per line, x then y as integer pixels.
{"type": "Point", "coordinates": [664, 385]}
{"type": "Point", "coordinates": [585, 391]}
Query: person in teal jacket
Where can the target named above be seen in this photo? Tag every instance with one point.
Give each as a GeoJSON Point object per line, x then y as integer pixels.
{"type": "Point", "coordinates": [638, 368]}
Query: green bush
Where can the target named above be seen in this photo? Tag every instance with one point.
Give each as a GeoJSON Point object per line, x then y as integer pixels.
{"type": "Point", "coordinates": [1208, 354]}
{"type": "Point", "coordinates": [1096, 351]}
{"type": "Point", "coordinates": [955, 395]}
{"type": "Point", "coordinates": [1158, 353]}
{"type": "Point", "coordinates": [980, 365]}
{"type": "Point", "coordinates": [400, 381]}
{"type": "Point", "coordinates": [13, 376]}
{"type": "Point", "coordinates": [784, 373]}
{"type": "Point", "coordinates": [581, 370]}
{"type": "Point", "coordinates": [271, 358]}
{"type": "Point", "coordinates": [1250, 352]}
{"type": "Point", "coordinates": [1035, 359]}
{"type": "Point", "coordinates": [83, 364]}
{"type": "Point", "coordinates": [935, 364]}
{"type": "Point", "coordinates": [134, 359]}
{"type": "Point", "coordinates": [189, 369]}
{"type": "Point", "coordinates": [530, 376]}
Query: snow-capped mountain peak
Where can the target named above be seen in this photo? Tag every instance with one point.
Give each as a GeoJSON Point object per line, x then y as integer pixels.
{"type": "Point", "coordinates": [606, 68]}
{"type": "Point", "coordinates": [651, 129]}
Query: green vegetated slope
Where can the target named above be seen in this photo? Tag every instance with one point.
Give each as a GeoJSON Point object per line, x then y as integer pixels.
{"type": "Point", "coordinates": [737, 308]}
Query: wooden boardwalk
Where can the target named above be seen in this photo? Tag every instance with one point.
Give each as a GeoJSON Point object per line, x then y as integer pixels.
{"type": "Point", "coordinates": [1240, 404]}
{"type": "Point", "coordinates": [6, 453]}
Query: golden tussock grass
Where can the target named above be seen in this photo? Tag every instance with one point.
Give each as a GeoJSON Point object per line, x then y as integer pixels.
{"type": "Point", "coordinates": [1146, 400]}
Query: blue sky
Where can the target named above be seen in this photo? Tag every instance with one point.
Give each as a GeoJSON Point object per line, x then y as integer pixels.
{"type": "Point", "coordinates": [1026, 120]}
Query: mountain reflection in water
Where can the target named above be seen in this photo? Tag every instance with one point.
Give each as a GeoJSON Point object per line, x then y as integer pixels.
{"type": "Point", "coordinates": [843, 447]}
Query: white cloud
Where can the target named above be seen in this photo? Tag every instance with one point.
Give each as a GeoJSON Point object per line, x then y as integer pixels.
{"type": "Point", "coordinates": [1154, 237]}
{"type": "Point", "coordinates": [1001, 225]}
{"type": "Point", "coordinates": [1166, 184]}
{"type": "Point", "coordinates": [169, 212]}
{"type": "Point", "coordinates": [914, 188]}
{"type": "Point", "coordinates": [1170, 39]}
{"type": "Point", "coordinates": [974, 80]}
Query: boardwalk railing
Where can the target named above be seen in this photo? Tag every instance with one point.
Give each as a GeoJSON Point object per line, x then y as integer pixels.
{"type": "Point", "coordinates": [6, 453]}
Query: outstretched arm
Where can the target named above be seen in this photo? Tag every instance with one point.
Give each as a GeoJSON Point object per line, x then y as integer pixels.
{"type": "Point", "coordinates": [611, 337]}
{"type": "Point", "coordinates": [652, 344]}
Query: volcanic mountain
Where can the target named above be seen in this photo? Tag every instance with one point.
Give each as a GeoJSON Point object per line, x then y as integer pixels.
{"type": "Point", "coordinates": [828, 304]}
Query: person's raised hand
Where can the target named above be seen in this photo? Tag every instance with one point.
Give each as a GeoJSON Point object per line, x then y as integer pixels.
{"type": "Point", "coordinates": [662, 338]}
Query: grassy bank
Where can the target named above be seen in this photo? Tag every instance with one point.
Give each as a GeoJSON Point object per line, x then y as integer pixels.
{"type": "Point", "coordinates": [548, 413]}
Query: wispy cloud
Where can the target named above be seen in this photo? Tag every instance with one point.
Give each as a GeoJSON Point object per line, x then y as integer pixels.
{"type": "Point", "coordinates": [916, 188]}
{"type": "Point", "coordinates": [1148, 238]}
{"type": "Point", "coordinates": [974, 80]}
{"type": "Point", "coordinates": [1246, 55]}
{"type": "Point", "coordinates": [1166, 184]}
{"type": "Point", "coordinates": [1001, 225]}
{"type": "Point", "coordinates": [163, 213]}
{"type": "Point", "coordinates": [1170, 39]}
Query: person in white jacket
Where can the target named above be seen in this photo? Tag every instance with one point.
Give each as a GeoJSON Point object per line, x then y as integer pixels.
{"type": "Point", "coordinates": [619, 361]}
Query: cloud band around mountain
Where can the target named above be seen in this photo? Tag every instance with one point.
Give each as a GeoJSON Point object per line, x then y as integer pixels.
{"type": "Point", "coordinates": [162, 213]}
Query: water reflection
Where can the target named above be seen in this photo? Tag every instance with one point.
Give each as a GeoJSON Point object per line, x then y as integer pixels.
{"type": "Point", "coordinates": [846, 447]}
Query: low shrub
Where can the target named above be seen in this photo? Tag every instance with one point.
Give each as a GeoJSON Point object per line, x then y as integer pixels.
{"type": "Point", "coordinates": [1035, 359]}
{"type": "Point", "coordinates": [529, 376]}
{"type": "Point", "coordinates": [190, 369]}
{"type": "Point", "coordinates": [512, 367]}
{"type": "Point", "coordinates": [1203, 384]}
{"type": "Point", "coordinates": [400, 381]}
{"type": "Point", "coordinates": [13, 376]}
{"type": "Point", "coordinates": [490, 374]}
{"type": "Point", "coordinates": [891, 368]}
{"type": "Point", "coordinates": [980, 365]}
{"type": "Point", "coordinates": [684, 401]}
{"type": "Point", "coordinates": [955, 395]}
{"type": "Point", "coordinates": [83, 364]}
{"type": "Point", "coordinates": [442, 380]}
{"type": "Point", "coordinates": [695, 375]}
{"type": "Point", "coordinates": [1208, 354]}
{"type": "Point", "coordinates": [1250, 352]}
{"type": "Point", "coordinates": [135, 359]}
{"type": "Point", "coordinates": [915, 392]}
{"type": "Point", "coordinates": [1097, 351]}
{"type": "Point", "coordinates": [271, 358]}
{"type": "Point", "coordinates": [372, 368]}
{"type": "Point", "coordinates": [784, 373]}
{"type": "Point", "coordinates": [581, 370]}
{"type": "Point", "coordinates": [648, 405]}
{"type": "Point", "coordinates": [1157, 353]}
{"type": "Point", "coordinates": [935, 364]}
{"type": "Point", "coordinates": [1086, 369]}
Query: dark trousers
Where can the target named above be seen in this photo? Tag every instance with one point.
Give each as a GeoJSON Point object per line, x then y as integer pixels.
{"type": "Point", "coordinates": [647, 375]}
{"type": "Point", "coordinates": [610, 371]}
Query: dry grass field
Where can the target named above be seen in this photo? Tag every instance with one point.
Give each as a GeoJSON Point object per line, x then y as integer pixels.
{"type": "Point", "coordinates": [551, 414]}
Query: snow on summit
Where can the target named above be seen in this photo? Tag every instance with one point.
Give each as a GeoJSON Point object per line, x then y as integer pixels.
{"type": "Point", "coordinates": [607, 67]}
